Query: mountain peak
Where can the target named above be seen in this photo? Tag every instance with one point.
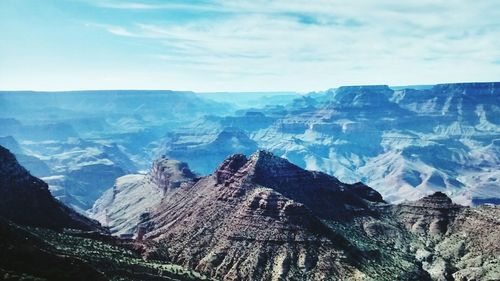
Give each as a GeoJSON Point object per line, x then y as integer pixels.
{"type": "Point", "coordinates": [261, 167]}
{"type": "Point", "coordinates": [323, 194]}
{"type": "Point", "coordinates": [431, 215]}
{"type": "Point", "coordinates": [260, 202]}
{"type": "Point", "coordinates": [8, 164]}
{"type": "Point", "coordinates": [267, 159]}
{"type": "Point", "coordinates": [435, 201]}
{"type": "Point", "coordinates": [261, 153]}
{"type": "Point", "coordinates": [261, 164]}
{"type": "Point", "coordinates": [229, 167]}
{"type": "Point", "coordinates": [169, 173]}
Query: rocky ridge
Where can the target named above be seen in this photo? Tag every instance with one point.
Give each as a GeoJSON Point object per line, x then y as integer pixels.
{"type": "Point", "coordinates": [261, 217]}
{"type": "Point", "coordinates": [240, 223]}
{"type": "Point", "coordinates": [26, 200]}
{"type": "Point", "coordinates": [453, 242]}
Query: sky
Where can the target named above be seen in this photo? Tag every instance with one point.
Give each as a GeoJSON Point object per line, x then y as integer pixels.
{"type": "Point", "coordinates": [245, 45]}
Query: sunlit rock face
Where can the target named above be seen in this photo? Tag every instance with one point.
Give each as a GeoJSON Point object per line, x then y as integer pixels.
{"type": "Point", "coordinates": [170, 174]}
{"type": "Point", "coordinates": [133, 197]}
{"type": "Point", "coordinates": [262, 217]}
{"type": "Point", "coordinates": [457, 241]}
{"type": "Point", "coordinates": [263, 213]}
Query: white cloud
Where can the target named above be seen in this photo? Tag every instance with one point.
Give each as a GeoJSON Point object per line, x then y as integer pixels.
{"type": "Point", "coordinates": [323, 43]}
{"type": "Point", "coordinates": [165, 5]}
{"type": "Point", "coordinates": [116, 30]}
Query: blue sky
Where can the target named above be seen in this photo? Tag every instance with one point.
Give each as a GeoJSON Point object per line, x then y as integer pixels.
{"type": "Point", "coordinates": [245, 45]}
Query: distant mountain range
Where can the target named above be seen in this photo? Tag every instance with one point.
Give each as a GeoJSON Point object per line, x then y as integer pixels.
{"type": "Point", "coordinates": [80, 142]}
{"type": "Point", "coordinates": [405, 142]}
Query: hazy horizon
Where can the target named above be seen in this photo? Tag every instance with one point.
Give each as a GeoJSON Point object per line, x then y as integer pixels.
{"type": "Point", "coordinates": [277, 92]}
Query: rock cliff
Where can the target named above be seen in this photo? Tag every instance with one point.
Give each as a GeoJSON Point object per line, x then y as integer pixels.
{"type": "Point", "coordinates": [26, 200]}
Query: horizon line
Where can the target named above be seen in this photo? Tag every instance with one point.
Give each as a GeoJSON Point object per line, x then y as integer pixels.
{"type": "Point", "coordinates": [239, 91]}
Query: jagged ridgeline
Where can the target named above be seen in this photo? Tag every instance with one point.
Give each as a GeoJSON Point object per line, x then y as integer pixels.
{"type": "Point", "coordinates": [263, 218]}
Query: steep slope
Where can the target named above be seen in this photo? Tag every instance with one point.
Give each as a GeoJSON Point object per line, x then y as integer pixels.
{"type": "Point", "coordinates": [41, 239]}
{"type": "Point", "coordinates": [133, 197]}
{"type": "Point", "coordinates": [454, 242]}
{"type": "Point", "coordinates": [259, 218]}
{"type": "Point", "coordinates": [263, 218]}
{"type": "Point", "coordinates": [35, 254]}
{"type": "Point", "coordinates": [26, 200]}
{"type": "Point", "coordinates": [23, 256]}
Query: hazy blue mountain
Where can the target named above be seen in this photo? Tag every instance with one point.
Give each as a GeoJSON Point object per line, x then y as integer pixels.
{"type": "Point", "coordinates": [406, 143]}
{"type": "Point", "coordinates": [34, 165]}
{"type": "Point", "coordinates": [251, 99]}
{"type": "Point", "coordinates": [206, 152]}
{"type": "Point", "coordinates": [81, 141]}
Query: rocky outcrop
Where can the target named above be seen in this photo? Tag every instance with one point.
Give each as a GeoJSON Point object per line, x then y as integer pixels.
{"type": "Point", "coordinates": [430, 216]}
{"type": "Point", "coordinates": [229, 167]}
{"type": "Point", "coordinates": [471, 246]}
{"type": "Point", "coordinates": [26, 199]}
{"type": "Point", "coordinates": [261, 218]}
{"type": "Point", "coordinates": [133, 197]}
{"type": "Point", "coordinates": [455, 242]}
{"type": "Point", "coordinates": [169, 174]}
{"type": "Point", "coordinates": [326, 196]}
